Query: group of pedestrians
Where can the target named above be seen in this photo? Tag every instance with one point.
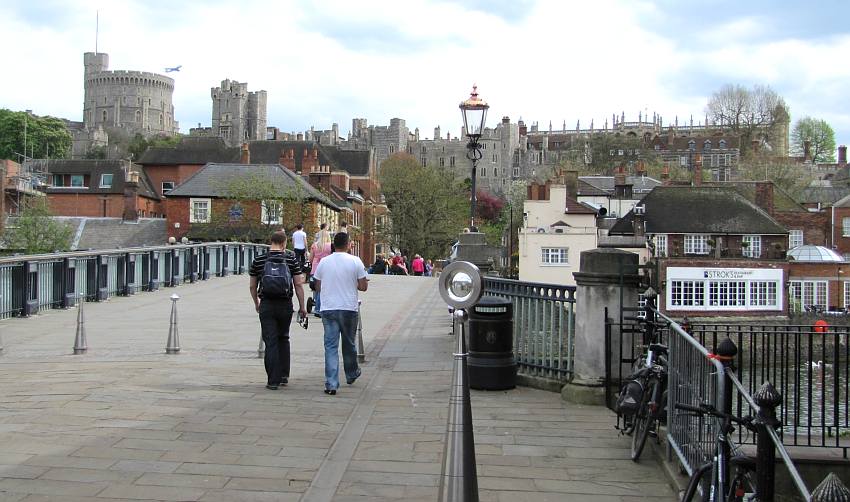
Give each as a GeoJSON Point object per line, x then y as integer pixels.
{"type": "Point", "coordinates": [397, 264]}
{"type": "Point", "coordinates": [336, 277]}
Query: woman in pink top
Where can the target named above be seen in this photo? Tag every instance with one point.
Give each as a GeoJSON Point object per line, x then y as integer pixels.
{"type": "Point", "coordinates": [418, 266]}
{"type": "Point", "coordinates": [319, 249]}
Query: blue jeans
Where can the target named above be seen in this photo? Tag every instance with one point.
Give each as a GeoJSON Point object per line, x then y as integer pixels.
{"type": "Point", "coordinates": [340, 324]}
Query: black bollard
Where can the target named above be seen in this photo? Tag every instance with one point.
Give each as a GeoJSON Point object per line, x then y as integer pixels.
{"type": "Point", "coordinates": [831, 489]}
{"type": "Point", "coordinates": [767, 398]}
{"type": "Point", "coordinates": [361, 353]}
{"type": "Point", "coordinates": [459, 480]}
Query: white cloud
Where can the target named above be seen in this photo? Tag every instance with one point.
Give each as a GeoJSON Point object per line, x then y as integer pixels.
{"type": "Point", "coordinates": [333, 61]}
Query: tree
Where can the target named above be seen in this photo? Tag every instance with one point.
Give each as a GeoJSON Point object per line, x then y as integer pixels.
{"type": "Point", "coordinates": [488, 207]}
{"type": "Point", "coordinates": [428, 206]}
{"type": "Point", "coordinates": [138, 143]}
{"type": "Point", "coordinates": [752, 113]}
{"type": "Point", "coordinates": [23, 134]}
{"type": "Point", "coordinates": [35, 231]}
{"type": "Point", "coordinates": [820, 136]}
{"type": "Point", "coordinates": [787, 175]}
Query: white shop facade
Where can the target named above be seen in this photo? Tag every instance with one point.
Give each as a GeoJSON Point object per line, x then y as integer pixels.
{"type": "Point", "coordinates": [720, 290]}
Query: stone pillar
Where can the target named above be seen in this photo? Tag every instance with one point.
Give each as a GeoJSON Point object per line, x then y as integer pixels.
{"type": "Point", "coordinates": [605, 275]}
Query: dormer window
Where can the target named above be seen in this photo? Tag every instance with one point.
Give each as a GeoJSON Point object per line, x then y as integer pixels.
{"type": "Point", "coordinates": [722, 144]}
{"type": "Point", "coordinates": [692, 145]}
{"type": "Point", "coordinates": [706, 145]}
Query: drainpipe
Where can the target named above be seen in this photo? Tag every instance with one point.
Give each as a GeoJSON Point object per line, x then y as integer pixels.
{"type": "Point", "coordinates": [831, 229]}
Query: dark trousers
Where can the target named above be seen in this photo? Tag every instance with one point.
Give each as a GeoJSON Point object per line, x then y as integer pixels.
{"type": "Point", "coordinates": [275, 317]}
{"type": "Point", "coordinates": [300, 254]}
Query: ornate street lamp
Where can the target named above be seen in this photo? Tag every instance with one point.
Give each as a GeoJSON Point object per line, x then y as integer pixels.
{"type": "Point", "coordinates": [474, 112]}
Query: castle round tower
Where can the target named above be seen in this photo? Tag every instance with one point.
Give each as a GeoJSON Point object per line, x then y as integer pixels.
{"type": "Point", "coordinates": [128, 101]}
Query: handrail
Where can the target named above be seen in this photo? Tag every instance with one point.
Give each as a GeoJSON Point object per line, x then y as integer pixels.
{"type": "Point", "coordinates": [116, 251]}
{"type": "Point", "coordinates": [777, 442]}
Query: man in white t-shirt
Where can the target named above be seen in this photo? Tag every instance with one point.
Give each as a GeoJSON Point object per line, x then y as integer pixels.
{"type": "Point", "coordinates": [339, 277]}
{"type": "Point", "coordinates": [299, 244]}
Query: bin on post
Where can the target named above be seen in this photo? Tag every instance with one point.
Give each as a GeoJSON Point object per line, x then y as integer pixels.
{"type": "Point", "coordinates": [491, 358]}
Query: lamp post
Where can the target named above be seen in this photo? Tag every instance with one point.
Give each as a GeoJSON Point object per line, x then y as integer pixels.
{"type": "Point", "coordinates": [474, 111]}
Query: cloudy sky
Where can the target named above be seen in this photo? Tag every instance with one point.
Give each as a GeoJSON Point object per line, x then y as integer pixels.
{"type": "Point", "coordinates": [330, 61]}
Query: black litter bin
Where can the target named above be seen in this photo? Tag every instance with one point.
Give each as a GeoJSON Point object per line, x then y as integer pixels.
{"type": "Point", "coordinates": [491, 360]}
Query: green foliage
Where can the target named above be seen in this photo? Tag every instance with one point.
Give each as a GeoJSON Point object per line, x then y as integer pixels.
{"type": "Point", "coordinates": [138, 143]}
{"type": "Point", "coordinates": [34, 231]}
{"type": "Point", "coordinates": [787, 175]}
{"type": "Point", "coordinates": [96, 152]}
{"type": "Point", "coordinates": [820, 135]}
{"type": "Point", "coordinates": [428, 206]}
{"type": "Point", "coordinates": [601, 153]}
{"type": "Point", "coordinates": [46, 137]}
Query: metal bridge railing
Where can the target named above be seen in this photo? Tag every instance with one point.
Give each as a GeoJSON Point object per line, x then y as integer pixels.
{"type": "Point", "coordinates": [32, 283]}
{"type": "Point", "coordinates": [544, 326]}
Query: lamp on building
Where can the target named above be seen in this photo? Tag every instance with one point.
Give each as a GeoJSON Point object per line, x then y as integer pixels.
{"type": "Point", "coordinates": [474, 111]}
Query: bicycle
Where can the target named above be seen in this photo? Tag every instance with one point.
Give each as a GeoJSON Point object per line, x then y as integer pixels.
{"type": "Point", "coordinates": [652, 409]}
{"type": "Point", "coordinates": [719, 490]}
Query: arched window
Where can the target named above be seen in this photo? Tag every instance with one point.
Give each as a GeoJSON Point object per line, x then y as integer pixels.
{"type": "Point", "coordinates": [160, 119]}
{"type": "Point", "coordinates": [692, 145]}
{"type": "Point", "coordinates": [104, 116]}
{"type": "Point", "coordinates": [706, 145]}
{"type": "Point", "coordinates": [138, 116]}
{"type": "Point", "coordinates": [722, 144]}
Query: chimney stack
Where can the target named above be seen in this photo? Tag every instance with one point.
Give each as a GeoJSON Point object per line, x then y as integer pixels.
{"type": "Point", "coordinates": [665, 175]}
{"type": "Point", "coordinates": [842, 155]}
{"type": "Point", "coordinates": [245, 156]}
{"type": "Point", "coordinates": [619, 176]}
{"type": "Point", "coordinates": [131, 192]}
{"type": "Point", "coordinates": [571, 183]}
{"type": "Point", "coordinates": [764, 196]}
{"type": "Point", "coordinates": [807, 151]}
{"type": "Point", "coordinates": [697, 170]}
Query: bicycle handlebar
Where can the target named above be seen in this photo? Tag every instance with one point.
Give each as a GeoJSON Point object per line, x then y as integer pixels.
{"type": "Point", "coordinates": [707, 409]}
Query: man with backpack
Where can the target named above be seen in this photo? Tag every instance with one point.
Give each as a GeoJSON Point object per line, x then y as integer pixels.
{"type": "Point", "coordinates": [275, 276]}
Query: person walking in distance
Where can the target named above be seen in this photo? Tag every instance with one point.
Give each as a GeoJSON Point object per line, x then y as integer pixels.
{"type": "Point", "coordinates": [418, 266]}
{"type": "Point", "coordinates": [275, 276]}
{"type": "Point", "coordinates": [319, 250]}
{"type": "Point", "coordinates": [299, 244]}
{"type": "Point", "coordinates": [338, 278]}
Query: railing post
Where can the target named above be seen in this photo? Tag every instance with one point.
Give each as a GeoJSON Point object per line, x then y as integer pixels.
{"type": "Point", "coordinates": [240, 250]}
{"type": "Point", "coordinates": [223, 261]}
{"type": "Point", "coordinates": [767, 398]}
{"type": "Point", "coordinates": [725, 353]}
{"type": "Point", "coordinates": [69, 284]}
{"type": "Point", "coordinates": [193, 264]}
{"type": "Point", "coordinates": [831, 489]}
{"type": "Point", "coordinates": [121, 279]}
{"type": "Point", "coordinates": [155, 280]}
{"type": "Point", "coordinates": [30, 305]}
{"type": "Point", "coordinates": [102, 277]}
{"type": "Point", "coordinates": [175, 267]}
{"type": "Point", "coordinates": [205, 253]}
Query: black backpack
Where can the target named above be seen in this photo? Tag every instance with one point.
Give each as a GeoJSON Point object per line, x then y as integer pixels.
{"type": "Point", "coordinates": [277, 279]}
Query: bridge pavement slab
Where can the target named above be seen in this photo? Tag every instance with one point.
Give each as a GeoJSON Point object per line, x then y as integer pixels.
{"type": "Point", "coordinates": [127, 422]}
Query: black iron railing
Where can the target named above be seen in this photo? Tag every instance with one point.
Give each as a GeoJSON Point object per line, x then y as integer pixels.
{"type": "Point", "coordinates": [32, 283]}
{"type": "Point", "coordinates": [544, 326]}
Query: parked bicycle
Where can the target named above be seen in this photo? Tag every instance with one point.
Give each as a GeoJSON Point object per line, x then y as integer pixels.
{"type": "Point", "coordinates": [652, 409]}
{"type": "Point", "coordinates": [713, 477]}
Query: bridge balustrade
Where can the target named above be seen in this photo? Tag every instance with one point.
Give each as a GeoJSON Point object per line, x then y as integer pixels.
{"type": "Point", "coordinates": [29, 284]}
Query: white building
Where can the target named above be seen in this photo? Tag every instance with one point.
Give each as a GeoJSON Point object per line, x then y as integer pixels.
{"type": "Point", "coordinates": [556, 229]}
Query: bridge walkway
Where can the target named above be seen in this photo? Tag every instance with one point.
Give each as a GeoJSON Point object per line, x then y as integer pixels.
{"type": "Point", "coordinates": [126, 421]}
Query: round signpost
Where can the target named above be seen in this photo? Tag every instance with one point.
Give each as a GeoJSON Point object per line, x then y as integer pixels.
{"type": "Point", "coordinates": [461, 286]}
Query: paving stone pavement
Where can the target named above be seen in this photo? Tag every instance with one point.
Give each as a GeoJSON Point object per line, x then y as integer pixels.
{"type": "Point", "coordinates": [126, 421]}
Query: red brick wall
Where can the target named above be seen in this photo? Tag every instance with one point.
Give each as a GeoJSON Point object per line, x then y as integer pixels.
{"type": "Point", "coordinates": [834, 273]}
{"type": "Point", "coordinates": [178, 174]}
{"type": "Point", "coordinates": [842, 244]}
{"type": "Point", "coordinates": [92, 205]}
{"type": "Point", "coordinates": [815, 226]}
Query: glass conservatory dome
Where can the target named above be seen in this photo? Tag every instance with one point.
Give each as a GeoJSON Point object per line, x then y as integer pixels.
{"type": "Point", "coordinates": [810, 253]}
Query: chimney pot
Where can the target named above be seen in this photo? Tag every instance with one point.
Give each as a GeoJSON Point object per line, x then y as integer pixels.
{"type": "Point", "coordinates": [842, 155]}
{"type": "Point", "coordinates": [697, 169]}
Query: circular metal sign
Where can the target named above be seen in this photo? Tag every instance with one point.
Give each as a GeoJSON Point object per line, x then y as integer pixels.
{"type": "Point", "coordinates": [461, 285]}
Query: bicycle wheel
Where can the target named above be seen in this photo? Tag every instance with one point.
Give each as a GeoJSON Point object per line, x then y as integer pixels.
{"type": "Point", "coordinates": [643, 422]}
{"type": "Point", "coordinates": [699, 478]}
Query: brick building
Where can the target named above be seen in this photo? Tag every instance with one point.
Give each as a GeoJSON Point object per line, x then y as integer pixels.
{"type": "Point", "coordinates": [203, 206]}
{"type": "Point", "coordinates": [718, 253]}
{"type": "Point", "coordinates": [819, 279]}
{"type": "Point", "coordinates": [100, 188]}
